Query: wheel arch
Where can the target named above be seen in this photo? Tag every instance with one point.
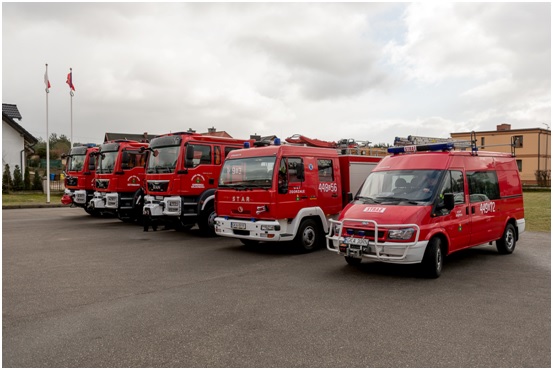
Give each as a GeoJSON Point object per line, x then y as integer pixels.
{"type": "Point", "coordinates": [444, 238]}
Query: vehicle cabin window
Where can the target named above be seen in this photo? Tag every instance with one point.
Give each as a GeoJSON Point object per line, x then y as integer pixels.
{"type": "Point", "coordinates": [293, 164]}
{"type": "Point", "coordinates": [132, 159]}
{"type": "Point", "coordinates": [454, 183]}
{"type": "Point", "coordinates": [229, 149]}
{"type": "Point", "coordinates": [217, 153]}
{"type": "Point", "coordinates": [326, 170]}
{"type": "Point", "coordinates": [202, 155]}
{"type": "Point", "coordinates": [483, 186]}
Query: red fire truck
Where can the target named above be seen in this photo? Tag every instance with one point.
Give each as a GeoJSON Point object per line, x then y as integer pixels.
{"type": "Point", "coordinates": [119, 179]}
{"type": "Point", "coordinates": [79, 177]}
{"type": "Point", "coordinates": [182, 172]}
{"type": "Point", "coordinates": [286, 192]}
{"type": "Point", "coordinates": [427, 201]}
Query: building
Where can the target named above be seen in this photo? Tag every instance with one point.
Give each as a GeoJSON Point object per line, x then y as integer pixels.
{"type": "Point", "coordinates": [532, 148]}
{"type": "Point", "coordinates": [16, 141]}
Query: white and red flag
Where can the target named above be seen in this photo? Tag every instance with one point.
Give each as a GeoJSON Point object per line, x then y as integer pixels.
{"type": "Point", "coordinates": [70, 79]}
{"type": "Point", "coordinates": [46, 80]}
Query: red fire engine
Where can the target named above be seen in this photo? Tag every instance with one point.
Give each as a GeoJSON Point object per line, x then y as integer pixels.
{"type": "Point", "coordinates": [79, 177]}
{"type": "Point", "coordinates": [181, 178]}
{"type": "Point", "coordinates": [427, 201]}
{"type": "Point", "coordinates": [119, 179]}
{"type": "Point", "coordinates": [286, 192]}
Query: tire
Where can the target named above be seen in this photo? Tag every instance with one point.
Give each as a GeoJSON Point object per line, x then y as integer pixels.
{"type": "Point", "coordinates": [309, 236]}
{"type": "Point", "coordinates": [249, 243]}
{"type": "Point", "coordinates": [433, 260]}
{"type": "Point", "coordinates": [206, 222]}
{"type": "Point", "coordinates": [352, 261]}
{"type": "Point", "coordinates": [508, 242]}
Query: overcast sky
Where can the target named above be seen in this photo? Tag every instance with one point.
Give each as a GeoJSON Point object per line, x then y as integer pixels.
{"type": "Point", "coordinates": [369, 71]}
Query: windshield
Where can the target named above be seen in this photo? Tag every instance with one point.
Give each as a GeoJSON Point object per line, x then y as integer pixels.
{"type": "Point", "coordinates": [163, 159]}
{"type": "Point", "coordinates": [76, 163]}
{"type": "Point", "coordinates": [247, 172]}
{"type": "Point", "coordinates": [106, 163]}
{"type": "Point", "coordinates": [400, 186]}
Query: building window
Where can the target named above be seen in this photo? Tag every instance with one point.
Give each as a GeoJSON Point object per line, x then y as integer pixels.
{"type": "Point", "coordinates": [519, 165]}
{"type": "Point", "coordinates": [482, 142]}
{"type": "Point", "coordinates": [518, 141]}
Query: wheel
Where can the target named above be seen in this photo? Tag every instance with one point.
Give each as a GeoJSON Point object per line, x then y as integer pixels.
{"type": "Point", "coordinates": [507, 243]}
{"type": "Point", "coordinates": [432, 261]}
{"type": "Point", "coordinates": [206, 222]}
{"type": "Point", "coordinates": [249, 243]}
{"type": "Point", "coordinates": [352, 261]}
{"type": "Point", "coordinates": [309, 236]}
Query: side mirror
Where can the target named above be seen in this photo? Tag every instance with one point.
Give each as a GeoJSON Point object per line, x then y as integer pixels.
{"type": "Point", "coordinates": [283, 188]}
{"type": "Point", "coordinates": [189, 156]}
{"type": "Point", "coordinates": [142, 149]}
{"type": "Point", "coordinates": [449, 201]}
{"type": "Point", "coordinates": [63, 156]}
{"type": "Point", "coordinates": [300, 172]}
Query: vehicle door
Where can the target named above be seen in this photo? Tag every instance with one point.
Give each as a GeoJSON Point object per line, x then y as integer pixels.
{"type": "Point", "coordinates": [483, 195]}
{"type": "Point", "coordinates": [457, 222]}
{"type": "Point", "coordinates": [328, 189]}
{"type": "Point", "coordinates": [292, 192]}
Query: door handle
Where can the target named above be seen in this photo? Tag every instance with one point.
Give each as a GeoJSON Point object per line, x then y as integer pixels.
{"type": "Point", "coordinates": [334, 195]}
{"type": "Point", "coordinates": [473, 209]}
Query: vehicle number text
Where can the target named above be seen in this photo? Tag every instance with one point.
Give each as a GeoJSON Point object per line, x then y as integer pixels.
{"type": "Point", "coordinates": [487, 207]}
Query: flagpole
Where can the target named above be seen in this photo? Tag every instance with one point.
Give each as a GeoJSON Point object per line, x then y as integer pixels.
{"type": "Point", "coordinates": [47, 147]}
{"type": "Point", "coordinates": [71, 104]}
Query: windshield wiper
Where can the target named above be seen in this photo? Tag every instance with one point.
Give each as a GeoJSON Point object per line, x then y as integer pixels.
{"type": "Point", "coordinates": [399, 200]}
{"type": "Point", "coordinates": [366, 199]}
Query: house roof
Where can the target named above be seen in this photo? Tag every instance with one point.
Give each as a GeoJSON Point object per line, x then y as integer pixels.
{"type": "Point", "coordinates": [122, 136]}
{"type": "Point", "coordinates": [9, 113]}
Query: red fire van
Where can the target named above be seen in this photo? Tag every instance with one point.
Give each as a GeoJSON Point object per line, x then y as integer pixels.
{"type": "Point", "coordinates": [425, 202]}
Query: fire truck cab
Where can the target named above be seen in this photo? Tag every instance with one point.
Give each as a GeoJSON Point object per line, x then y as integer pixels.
{"type": "Point", "coordinates": [425, 202]}
{"type": "Point", "coordinates": [119, 179]}
{"type": "Point", "coordinates": [182, 172]}
{"type": "Point", "coordinates": [79, 177]}
{"type": "Point", "coordinates": [285, 193]}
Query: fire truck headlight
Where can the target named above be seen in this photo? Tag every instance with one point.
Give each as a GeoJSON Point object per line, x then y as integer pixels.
{"type": "Point", "coordinates": [401, 234]}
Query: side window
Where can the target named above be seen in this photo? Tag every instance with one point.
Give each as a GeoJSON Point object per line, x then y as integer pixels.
{"type": "Point", "coordinates": [202, 154]}
{"type": "Point", "coordinates": [293, 169]}
{"type": "Point", "coordinates": [454, 183]}
{"type": "Point", "coordinates": [132, 159]}
{"type": "Point", "coordinates": [217, 152]}
{"type": "Point", "coordinates": [229, 149]}
{"type": "Point", "coordinates": [483, 186]}
{"type": "Point", "coordinates": [326, 171]}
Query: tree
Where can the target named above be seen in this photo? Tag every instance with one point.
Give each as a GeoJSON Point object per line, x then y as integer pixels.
{"type": "Point", "coordinates": [37, 181]}
{"type": "Point", "coordinates": [6, 179]}
{"type": "Point", "coordinates": [17, 179]}
{"type": "Point", "coordinates": [27, 179]}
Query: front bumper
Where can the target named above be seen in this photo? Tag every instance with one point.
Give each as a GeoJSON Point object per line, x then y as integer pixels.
{"type": "Point", "coordinates": [260, 230]}
{"type": "Point", "coordinates": [392, 252]}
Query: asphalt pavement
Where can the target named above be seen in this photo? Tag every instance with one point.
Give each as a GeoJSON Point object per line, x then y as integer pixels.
{"type": "Point", "coordinates": [80, 291]}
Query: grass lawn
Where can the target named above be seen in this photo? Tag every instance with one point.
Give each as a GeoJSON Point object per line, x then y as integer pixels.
{"type": "Point", "coordinates": [537, 210]}
{"type": "Point", "coordinates": [537, 206]}
{"type": "Point", "coordinates": [22, 198]}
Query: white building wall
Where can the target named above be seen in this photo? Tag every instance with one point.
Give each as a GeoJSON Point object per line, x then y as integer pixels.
{"type": "Point", "coordinates": [12, 145]}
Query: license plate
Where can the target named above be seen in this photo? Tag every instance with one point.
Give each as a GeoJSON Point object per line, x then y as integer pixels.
{"type": "Point", "coordinates": [238, 225]}
{"type": "Point", "coordinates": [357, 241]}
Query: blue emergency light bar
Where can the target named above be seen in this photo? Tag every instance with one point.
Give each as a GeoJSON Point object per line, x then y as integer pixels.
{"type": "Point", "coordinates": [421, 148]}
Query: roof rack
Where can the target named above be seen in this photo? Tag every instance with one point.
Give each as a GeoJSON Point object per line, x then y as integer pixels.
{"type": "Point", "coordinates": [412, 144]}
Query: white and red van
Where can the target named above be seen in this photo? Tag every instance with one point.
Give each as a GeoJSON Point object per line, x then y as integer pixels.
{"type": "Point", "coordinates": [396, 218]}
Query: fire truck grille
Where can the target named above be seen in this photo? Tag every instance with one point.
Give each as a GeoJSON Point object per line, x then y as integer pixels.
{"type": "Point", "coordinates": [71, 181]}
{"type": "Point", "coordinates": [364, 233]}
{"type": "Point", "coordinates": [156, 186]}
{"type": "Point", "coordinates": [102, 184]}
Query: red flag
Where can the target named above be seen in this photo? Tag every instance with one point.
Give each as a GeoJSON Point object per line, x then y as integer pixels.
{"type": "Point", "coordinates": [70, 80]}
